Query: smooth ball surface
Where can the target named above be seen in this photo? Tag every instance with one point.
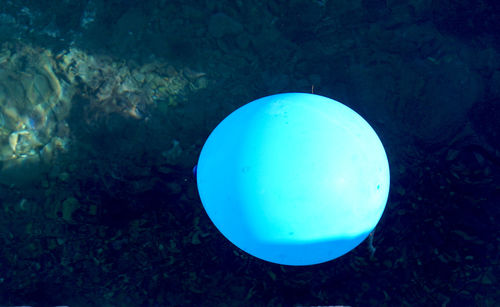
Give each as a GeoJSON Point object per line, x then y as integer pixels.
{"type": "Point", "coordinates": [294, 178]}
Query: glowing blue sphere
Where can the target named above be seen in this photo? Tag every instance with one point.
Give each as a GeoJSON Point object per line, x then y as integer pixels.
{"type": "Point", "coordinates": [294, 178]}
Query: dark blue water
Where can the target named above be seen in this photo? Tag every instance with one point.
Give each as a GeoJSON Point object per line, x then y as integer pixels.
{"type": "Point", "coordinates": [105, 106]}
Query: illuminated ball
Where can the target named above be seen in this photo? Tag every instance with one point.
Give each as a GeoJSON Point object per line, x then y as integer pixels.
{"type": "Point", "coordinates": [294, 178]}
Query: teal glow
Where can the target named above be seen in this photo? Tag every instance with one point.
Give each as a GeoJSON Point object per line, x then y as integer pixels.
{"type": "Point", "coordinates": [294, 178]}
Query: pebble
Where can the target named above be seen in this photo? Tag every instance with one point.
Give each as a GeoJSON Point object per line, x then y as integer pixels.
{"type": "Point", "coordinates": [69, 206]}
{"type": "Point", "coordinates": [64, 176]}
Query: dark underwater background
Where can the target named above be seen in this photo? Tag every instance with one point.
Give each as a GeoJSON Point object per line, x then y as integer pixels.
{"type": "Point", "coordinates": [105, 105]}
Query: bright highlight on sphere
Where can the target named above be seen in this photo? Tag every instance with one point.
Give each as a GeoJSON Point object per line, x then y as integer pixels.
{"type": "Point", "coordinates": [294, 178]}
